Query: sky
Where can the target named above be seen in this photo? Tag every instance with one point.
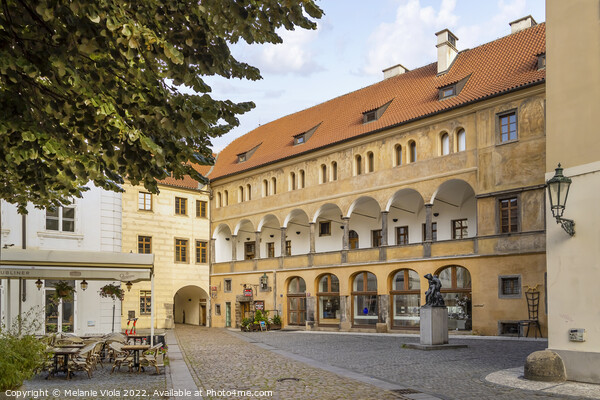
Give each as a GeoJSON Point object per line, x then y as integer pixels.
{"type": "Point", "coordinates": [354, 41]}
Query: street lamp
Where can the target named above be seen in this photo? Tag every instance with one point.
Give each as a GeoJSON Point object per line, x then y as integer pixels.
{"type": "Point", "coordinates": [558, 190]}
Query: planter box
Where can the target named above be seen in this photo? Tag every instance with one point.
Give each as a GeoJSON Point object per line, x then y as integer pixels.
{"type": "Point", "coordinates": [274, 327]}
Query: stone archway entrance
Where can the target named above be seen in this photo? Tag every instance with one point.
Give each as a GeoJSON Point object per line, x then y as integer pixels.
{"type": "Point", "coordinates": [190, 306]}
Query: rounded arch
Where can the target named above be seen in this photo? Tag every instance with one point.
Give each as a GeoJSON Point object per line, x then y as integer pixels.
{"type": "Point", "coordinates": [370, 162]}
{"type": "Point", "coordinates": [460, 139]}
{"type": "Point", "coordinates": [358, 168]}
{"type": "Point", "coordinates": [454, 210]}
{"type": "Point", "coordinates": [268, 220]}
{"type": "Point", "coordinates": [412, 152]}
{"type": "Point", "coordinates": [361, 204]}
{"type": "Point", "coordinates": [365, 220]}
{"type": "Point", "coordinates": [244, 225]}
{"type": "Point", "coordinates": [457, 189]}
{"type": "Point", "coordinates": [327, 283]}
{"type": "Point", "coordinates": [444, 141]}
{"type": "Point", "coordinates": [405, 217]}
{"type": "Point", "coordinates": [295, 215]}
{"type": "Point", "coordinates": [397, 155]}
{"type": "Point", "coordinates": [329, 211]}
{"type": "Point", "coordinates": [190, 305]}
{"type": "Point", "coordinates": [329, 236]}
{"type": "Point", "coordinates": [223, 243]}
{"type": "Point", "coordinates": [408, 199]}
{"type": "Point", "coordinates": [221, 228]}
{"type": "Point", "coordinates": [297, 233]}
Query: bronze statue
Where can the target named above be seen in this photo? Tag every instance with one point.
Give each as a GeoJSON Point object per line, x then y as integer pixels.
{"type": "Point", "coordinates": [433, 297]}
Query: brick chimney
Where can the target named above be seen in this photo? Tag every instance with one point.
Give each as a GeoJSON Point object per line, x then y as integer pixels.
{"type": "Point", "coordinates": [393, 71]}
{"type": "Point", "coordinates": [522, 23]}
{"type": "Point", "coordinates": [446, 49]}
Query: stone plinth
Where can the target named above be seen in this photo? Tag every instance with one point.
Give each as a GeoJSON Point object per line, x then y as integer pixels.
{"type": "Point", "coordinates": [434, 325]}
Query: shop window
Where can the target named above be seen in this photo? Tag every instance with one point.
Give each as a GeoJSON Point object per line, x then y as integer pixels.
{"type": "Point", "coordinates": [328, 295]}
{"type": "Point", "coordinates": [456, 291]}
{"type": "Point", "coordinates": [325, 228]}
{"type": "Point", "coordinates": [509, 286]}
{"type": "Point", "coordinates": [364, 299]}
{"type": "Point", "coordinates": [401, 235]}
{"type": "Point", "coordinates": [180, 206]}
{"type": "Point", "coordinates": [406, 299]}
{"type": "Point", "coordinates": [145, 201]}
{"type": "Point", "coordinates": [145, 302]}
{"type": "Point", "coordinates": [144, 244]}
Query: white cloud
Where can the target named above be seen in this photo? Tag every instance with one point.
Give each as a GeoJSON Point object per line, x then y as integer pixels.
{"type": "Point", "coordinates": [409, 40]}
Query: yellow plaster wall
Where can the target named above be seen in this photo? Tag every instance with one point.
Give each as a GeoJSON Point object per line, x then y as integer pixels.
{"type": "Point", "coordinates": [164, 226]}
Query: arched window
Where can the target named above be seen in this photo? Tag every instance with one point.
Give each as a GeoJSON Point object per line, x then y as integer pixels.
{"type": "Point", "coordinates": [265, 188]}
{"type": "Point", "coordinates": [364, 299]}
{"type": "Point", "coordinates": [219, 200]}
{"type": "Point", "coordinates": [358, 165]}
{"type": "Point", "coordinates": [225, 198]}
{"type": "Point", "coordinates": [398, 155]}
{"type": "Point", "coordinates": [445, 144]}
{"type": "Point", "coordinates": [406, 299]}
{"type": "Point", "coordinates": [353, 239]}
{"type": "Point", "coordinates": [302, 182]}
{"type": "Point", "coordinates": [456, 290]}
{"type": "Point", "coordinates": [292, 184]}
{"type": "Point", "coordinates": [412, 152]}
{"type": "Point", "coordinates": [328, 294]}
{"type": "Point", "coordinates": [273, 185]}
{"type": "Point", "coordinates": [461, 140]}
{"type": "Point", "coordinates": [248, 192]}
{"type": "Point", "coordinates": [296, 295]}
{"type": "Point", "coordinates": [323, 177]}
{"type": "Point", "coordinates": [370, 162]}
{"type": "Point", "coordinates": [241, 194]}
{"type": "Point", "coordinates": [333, 171]}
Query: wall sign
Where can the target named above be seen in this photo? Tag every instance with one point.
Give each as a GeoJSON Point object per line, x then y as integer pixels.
{"type": "Point", "coordinates": [248, 292]}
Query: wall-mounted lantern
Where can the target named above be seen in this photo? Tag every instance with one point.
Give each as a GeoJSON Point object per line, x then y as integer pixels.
{"type": "Point", "coordinates": [39, 284]}
{"type": "Point", "coordinates": [558, 191]}
{"type": "Point", "coordinates": [84, 285]}
{"type": "Point", "coordinates": [129, 285]}
{"type": "Point", "coordinates": [264, 281]}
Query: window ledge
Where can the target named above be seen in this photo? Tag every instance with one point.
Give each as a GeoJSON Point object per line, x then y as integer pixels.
{"type": "Point", "coordinates": [60, 235]}
{"type": "Point", "coordinates": [507, 142]}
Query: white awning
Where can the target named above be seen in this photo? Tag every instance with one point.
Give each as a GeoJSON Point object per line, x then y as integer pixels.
{"type": "Point", "coordinates": [90, 265]}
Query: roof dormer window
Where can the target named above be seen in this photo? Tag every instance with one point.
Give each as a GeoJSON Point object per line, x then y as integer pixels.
{"type": "Point", "coordinates": [245, 156]}
{"type": "Point", "coordinates": [303, 137]}
{"type": "Point", "coordinates": [448, 91]}
{"type": "Point", "coordinates": [452, 89]}
{"type": "Point", "coordinates": [374, 115]}
{"type": "Point", "coordinates": [541, 64]}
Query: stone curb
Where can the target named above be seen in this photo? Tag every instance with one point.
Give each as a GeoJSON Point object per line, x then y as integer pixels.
{"type": "Point", "coordinates": [179, 378]}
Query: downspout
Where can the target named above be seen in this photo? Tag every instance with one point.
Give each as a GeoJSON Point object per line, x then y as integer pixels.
{"type": "Point", "coordinates": [22, 283]}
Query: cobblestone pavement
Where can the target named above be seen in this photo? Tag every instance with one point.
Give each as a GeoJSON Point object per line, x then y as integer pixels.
{"type": "Point", "coordinates": [448, 374]}
{"type": "Point", "coordinates": [222, 362]}
{"type": "Point", "coordinates": [102, 385]}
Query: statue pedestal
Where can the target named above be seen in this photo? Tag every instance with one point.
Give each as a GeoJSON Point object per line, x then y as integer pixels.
{"type": "Point", "coordinates": [434, 325]}
{"type": "Point", "coordinates": [434, 330]}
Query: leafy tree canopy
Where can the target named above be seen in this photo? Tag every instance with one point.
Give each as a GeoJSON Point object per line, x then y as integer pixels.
{"type": "Point", "coordinates": [88, 88]}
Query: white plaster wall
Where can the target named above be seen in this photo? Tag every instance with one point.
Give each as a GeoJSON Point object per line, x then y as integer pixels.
{"type": "Point", "coordinates": [363, 226]}
{"type": "Point", "coordinates": [332, 242]}
{"type": "Point", "coordinates": [574, 264]}
{"type": "Point", "coordinates": [222, 248]}
{"type": "Point", "coordinates": [413, 221]}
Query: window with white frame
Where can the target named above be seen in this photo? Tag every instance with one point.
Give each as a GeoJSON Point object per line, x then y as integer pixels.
{"type": "Point", "coordinates": [61, 219]}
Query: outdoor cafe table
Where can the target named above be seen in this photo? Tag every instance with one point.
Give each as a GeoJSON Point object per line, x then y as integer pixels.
{"type": "Point", "coordinates": [70, 346]}
{"type": "Point", "coordinates": [65, 352]}
{"type": "Point", "coordinates": [136, 352]}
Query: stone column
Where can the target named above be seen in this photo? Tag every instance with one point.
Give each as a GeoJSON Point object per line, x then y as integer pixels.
{"type": "Point", "coordinates": [257, 245]}
{"type": "Point", "coordinates": [282, 242]}
{"type": "Point", "coordinates": [384, 228]}
{"type": "Point", "coordinates": [345, 310]}
{"type": "Point", "coordinates": [233, 247]}
{"type": "Point", "coordinates": [428, 230]}
{"type": "Point", "coordinates": [312, 237]}
{"type": "Point", "coordinates": [311, 303]}
{"type": "Point", "coordinates": [346, 239]}
{"type": "Point", "coordinates": [383, 306]}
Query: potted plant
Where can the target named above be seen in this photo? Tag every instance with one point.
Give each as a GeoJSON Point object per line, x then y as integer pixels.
{"type": "Point", "coordinates": [113, 291]}
{"type": "Point", "coordinates": [246, 323]}
{"type": "Point", "coordinates": [275, 323]}
{"type": "Point", "coordinates": [63, 291]}
{"type": "Point", "coordinates": [260, 316]}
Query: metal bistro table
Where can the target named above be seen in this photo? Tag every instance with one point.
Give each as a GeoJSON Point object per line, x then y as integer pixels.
{"type": "Point", "coordinates": [136, 353]}
{"type": "Point", "coordinates": [65, 352]}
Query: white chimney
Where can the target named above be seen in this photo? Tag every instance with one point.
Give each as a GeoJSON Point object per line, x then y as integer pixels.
{"type": "Point", "coordinates": [446, 46]}
{"type": "Point", "coordinates": [522, 23]}
{"type": "Point", "coordinates": [393, 71]}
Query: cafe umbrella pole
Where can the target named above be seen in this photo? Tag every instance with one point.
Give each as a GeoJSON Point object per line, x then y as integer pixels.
{"type": "Point", "coordinates": [113, 318]}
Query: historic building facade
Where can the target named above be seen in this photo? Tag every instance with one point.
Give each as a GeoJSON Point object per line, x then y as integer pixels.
{"type": "Point", "coordinates": [333, 215]}
{"type": "Point", "coordinates": [174, 226]}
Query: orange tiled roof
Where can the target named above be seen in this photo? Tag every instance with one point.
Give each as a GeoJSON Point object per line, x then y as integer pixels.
{"type": "Point", "coordinates": [187, 182]}
{"type": "Point", "coordinates": [497, 67]}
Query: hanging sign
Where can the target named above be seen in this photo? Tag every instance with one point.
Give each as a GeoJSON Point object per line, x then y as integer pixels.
{"type": "Point", "coordinates": [248, 292]}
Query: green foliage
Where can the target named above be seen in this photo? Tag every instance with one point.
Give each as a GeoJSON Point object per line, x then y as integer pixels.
{"type": "Point", "coordinates": [276, 319]}
{"type": "Point", "coordinates": [113, 291]}
{"type": "Point", "coordinates": [246, 322]}
{"type": "Point", "coordinates": [63, 290]}
{"type": "Point", "coordinates": [88, 89]}
{"type": "Point", "coordinates": [261, 316]}
{"type": "Point", "coordinates": [21, 354]}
